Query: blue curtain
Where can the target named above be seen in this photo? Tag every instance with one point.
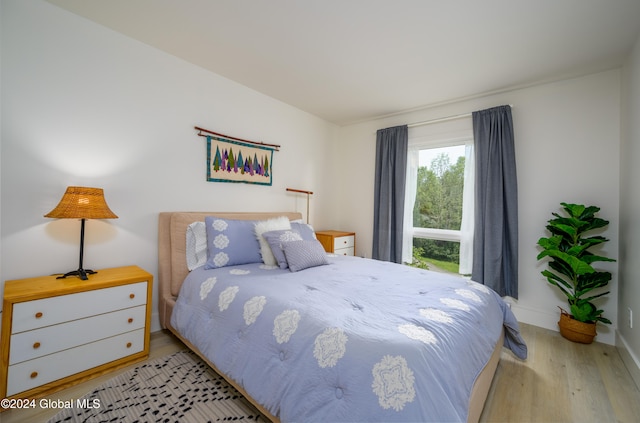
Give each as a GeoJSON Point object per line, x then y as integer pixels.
{"type": "Point", "coordinates": [495, 243]}
{"type": "Point", "coordinates": [388, 215]}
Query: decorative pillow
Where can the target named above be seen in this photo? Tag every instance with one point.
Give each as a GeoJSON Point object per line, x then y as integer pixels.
{"type": "Point", "coordinates": [196, 245]}
{"type": "Point", "coordinates": [230, 242]}
{"type": "Point", "coordinates": [275, 224]}
{"type": "Point", "coordinates": [304, 229]}
{"type": "Point", "coordinates": [304, 254]}
{"type": "Point", "coordinates": [276, 239]}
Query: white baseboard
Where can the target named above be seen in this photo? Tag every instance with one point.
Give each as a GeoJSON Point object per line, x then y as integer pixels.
{"type": "Point", "coordinates": [629, 358]}
{"type": "Point", "coordinates": [549, 320]}
{"type": "Point", "coordinates": [535, 317]}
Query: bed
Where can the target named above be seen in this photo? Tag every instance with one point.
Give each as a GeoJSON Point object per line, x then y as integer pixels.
{"type": "Point", "coordinates": [338, 339]}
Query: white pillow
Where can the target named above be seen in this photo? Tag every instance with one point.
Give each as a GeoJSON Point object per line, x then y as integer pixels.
{"type": "Point", "coordinates": [196, 245]}
{"type": "Point", "coordinates": [275, 224]}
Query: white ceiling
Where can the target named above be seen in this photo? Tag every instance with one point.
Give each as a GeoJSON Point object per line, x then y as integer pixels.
{"type": "Point", "coordinates": [352, 60]}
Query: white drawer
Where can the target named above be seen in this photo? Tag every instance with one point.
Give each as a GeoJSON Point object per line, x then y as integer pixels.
{"type": "Point", "coordinates": [343, 242]}
{"type": "Point", "coordinates": [50, 311]}
{"type": "Point", "coordinates": [345, 251]}
{"type": "Point", "coordinates": [33, 373]}
{"type": "Point", "coordinates": [38, 342]}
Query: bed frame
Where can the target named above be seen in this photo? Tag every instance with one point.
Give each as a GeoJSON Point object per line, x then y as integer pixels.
{"type": "Point", "coordinates": [172, 270]}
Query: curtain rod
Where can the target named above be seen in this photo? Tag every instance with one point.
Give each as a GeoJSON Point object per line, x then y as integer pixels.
{"type": "Point", "coordinates": [442, 119]}
{"type": "Point", "coordinates": [201, 130]}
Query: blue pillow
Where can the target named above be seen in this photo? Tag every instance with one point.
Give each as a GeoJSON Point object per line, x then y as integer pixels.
{"type": "Point", "coordinates": [304, 229]}
{"type": "Point", "coordinates": [276, 240]}
{"type": "Point", "coordinates": [304, 254]}
{"type": "Point", "coordinates": [276, 224]}
{"type": "Point", "coordinates": [231, 242]}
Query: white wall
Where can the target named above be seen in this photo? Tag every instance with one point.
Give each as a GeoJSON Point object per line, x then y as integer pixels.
{"type": "Point", "coordinates": [629, 340]}
{"type": "Point", "coordinates": [83, 105]}
{"type": "Point", "coordinates": [567, 146]}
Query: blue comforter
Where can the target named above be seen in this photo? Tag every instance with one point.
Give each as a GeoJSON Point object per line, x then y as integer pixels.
{"type": "Point", "coordinates": [354, 340]}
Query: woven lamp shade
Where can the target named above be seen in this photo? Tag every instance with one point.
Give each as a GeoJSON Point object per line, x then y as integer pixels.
{"type": "Point", "coordinates": [82, 203]}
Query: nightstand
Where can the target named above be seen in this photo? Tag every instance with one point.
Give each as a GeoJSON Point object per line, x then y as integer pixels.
{"type": "Point", "coordinates": [58, 332]}
{"type": "Point", "coordinates": [338, 242]}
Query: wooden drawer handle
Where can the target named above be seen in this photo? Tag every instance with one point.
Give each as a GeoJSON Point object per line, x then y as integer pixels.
{"type": "Point", "coordinates": [132, 296]}
{"type": "Point", "coordinates": [129, 344]}
{"type": "Point", "coordinates": [130, 320]}
{"type": "Point", "coordinates": [36, 345]}
{"type": "Point", "coordinates": [33, 375]}
{"type": "Point", "coordinates": [39, 315]}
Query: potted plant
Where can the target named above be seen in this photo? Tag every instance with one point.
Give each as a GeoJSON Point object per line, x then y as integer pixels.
{"type": "Point", "coordinates": [572, 271]}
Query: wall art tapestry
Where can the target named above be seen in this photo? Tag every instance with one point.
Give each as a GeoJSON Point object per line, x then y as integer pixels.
{"type": "Point", "coordinates": [236, 161]}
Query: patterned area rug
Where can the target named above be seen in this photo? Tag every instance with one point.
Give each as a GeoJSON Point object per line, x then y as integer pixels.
{"type": "Point", "coordinates": [177, 388]}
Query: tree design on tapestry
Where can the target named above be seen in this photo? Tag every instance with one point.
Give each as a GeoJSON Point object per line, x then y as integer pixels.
{"type": "Point", "coordinates": [234, 161]}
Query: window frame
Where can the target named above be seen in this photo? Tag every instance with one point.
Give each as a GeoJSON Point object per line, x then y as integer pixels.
{"type": "Point", "coordinates": [439, 137]}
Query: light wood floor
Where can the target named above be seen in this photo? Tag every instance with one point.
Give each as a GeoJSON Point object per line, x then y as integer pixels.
{"type": "Point", "coordinates": [562, 381]}
{"type": "Point", "coordinates": [559, 382]}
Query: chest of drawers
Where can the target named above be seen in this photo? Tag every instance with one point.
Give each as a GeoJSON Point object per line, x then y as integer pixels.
{"type": "Point", "coordinates": [56, 332]}
{"type": "Point", "coordinates": [338, 242]}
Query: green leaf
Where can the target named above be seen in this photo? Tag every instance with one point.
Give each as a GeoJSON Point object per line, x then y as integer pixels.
{"type": "Point", "coordinates": [593, 280]}
{"type": "Point", "coordinates": [570, 231]}
{"type": "Point", "coordinates": [596, 223]}
{"type": "Point", "coordinates": [578, 266]}
{"type": "Point", "coordinates": [550, 243]}
{"type": "Point", "coordinates": [583, 311]}
{"type": "Point", "coordinates": [591, 258]}
{"type": "Point", "coordinates": [577, 250]}
{"type": "Point", "coordinates": [550, 275]}
{"type": "Point", "coordinates": [553, 279]}
{"type": "Point", "coordinates": [596, 296]}
{"type": "Point", "coordinates": [594, 240]}
{"type": "Point", "coordinates": [574, 210]}
{"type": "Point", "coordinates": [573, 222]}
{"type": "Point", "coordinates": [565, 269]}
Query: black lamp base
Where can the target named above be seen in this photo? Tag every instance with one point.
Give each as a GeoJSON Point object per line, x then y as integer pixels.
{"type": "Point", "coordinates": [81, 273]}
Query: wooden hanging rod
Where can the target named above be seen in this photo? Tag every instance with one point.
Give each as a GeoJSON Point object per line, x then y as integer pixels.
{"type": "Point", "coordinates": [300, 190]}
{"type": "Point", "coordinates": [303, 192]}
{"type": "Point", "coordinates": [201, 130]}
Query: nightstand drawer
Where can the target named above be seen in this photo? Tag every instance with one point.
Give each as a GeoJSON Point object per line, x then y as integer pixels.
{"type": "Point", "coordinates": [344, 251]}
{"type": "Point", "coordinates": [343, 242]}
{"type": "Point", "coordinates": [32, 373]}
{"type": "Point", "coordinates": [50, 311]}
{"type": "Point", "coordinates": [51, 339]}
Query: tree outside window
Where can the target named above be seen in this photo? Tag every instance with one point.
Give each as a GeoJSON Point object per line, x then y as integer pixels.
{"type": "Point", "coordinates": [437, 213]}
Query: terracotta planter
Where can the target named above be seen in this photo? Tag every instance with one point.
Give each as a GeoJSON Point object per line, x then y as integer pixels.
{"type": "Point", "coordinates": [576, 331]}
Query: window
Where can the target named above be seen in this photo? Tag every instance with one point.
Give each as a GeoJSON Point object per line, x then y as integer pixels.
{"type": "Point", "coordinates": [439, 204]}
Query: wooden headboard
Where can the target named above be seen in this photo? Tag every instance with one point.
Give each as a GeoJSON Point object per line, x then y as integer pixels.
{"type": "Point", "coordinates": [172, 261]}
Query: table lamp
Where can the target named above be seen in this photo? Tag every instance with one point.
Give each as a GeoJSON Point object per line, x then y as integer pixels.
{"type": "Point", "coordinates": [81, 203]}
